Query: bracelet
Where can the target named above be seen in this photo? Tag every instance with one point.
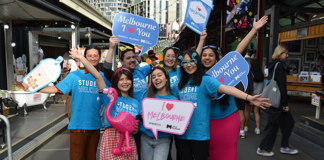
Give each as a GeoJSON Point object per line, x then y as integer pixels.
{"type": "Point", "coordinates": [246, 97]}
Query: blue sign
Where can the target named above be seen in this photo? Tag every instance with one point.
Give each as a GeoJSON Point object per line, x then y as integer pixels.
{"type": "Point", "coordinates": [231, 70]}
{"type": "Point", "coordinates": [197, 14]}
{"type": "Point", "coordinates": [136, 30]}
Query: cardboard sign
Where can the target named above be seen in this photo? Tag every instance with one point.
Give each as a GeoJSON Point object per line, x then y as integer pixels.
{"type": "Point", "coordinates": [197, 14]}
{"type": "Point", "coordinates": [166, 115]}
{"type": "Point", "coordinates": [136, 30]}
{"type": "Point", "coordinates": [46, 72]}
{"type": "Point", "coordinates": [231, 70]}
{"type": "Point", "coordinates": [315, 100]}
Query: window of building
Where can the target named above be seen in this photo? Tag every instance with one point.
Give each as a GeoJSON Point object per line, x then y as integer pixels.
{"type": "Point", "coordinates": [177, 16]}
{"type": "Point", "coordinates": [108, 13]}
{"type": "Point", "coordinates": [166, 12]}
{"type": "Point", "coordinates": [113, 9]}
{"type": "Point", "coordinates": [111, 0]}
{"type": "Point", "coordinates": [125, 5]}
{"type": "Point", "coordinates": [160, 7]}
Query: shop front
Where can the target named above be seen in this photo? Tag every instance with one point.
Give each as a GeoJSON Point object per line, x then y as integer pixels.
{"type": "Point", "coordinates": [305, 62]}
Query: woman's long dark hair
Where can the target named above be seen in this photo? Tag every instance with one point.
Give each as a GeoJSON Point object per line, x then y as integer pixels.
{"type": "Point", "coordinates": [152, 90]}
{"type": "Point", "coordinates": [223, 102]}
{"type": "Point", "coordinates": [197, 76]}
{"type": "Point", "coordinates": [257, 71]}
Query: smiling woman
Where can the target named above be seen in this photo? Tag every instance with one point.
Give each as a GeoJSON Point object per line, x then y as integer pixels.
{"type": "Point", "coordinates": [152, 148]}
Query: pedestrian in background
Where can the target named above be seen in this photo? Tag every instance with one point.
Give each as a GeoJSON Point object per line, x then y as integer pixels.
{"type": "Point", "coordinates": [278, 117]}
{"type": "Point", "coordinates": [258, 84]}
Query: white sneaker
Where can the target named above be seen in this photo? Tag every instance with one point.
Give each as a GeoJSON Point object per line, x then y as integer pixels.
{"type": "Point", "coordinates": [246, 128]}
{"type": "Point", "coordinates": [242, 134]}
{"type": "Point", "coordinates": [257, 131]}
{"type": "Point", "coordinates": [288, 150]}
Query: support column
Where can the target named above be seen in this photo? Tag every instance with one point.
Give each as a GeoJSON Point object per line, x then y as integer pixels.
{"type": "Point", "coordinates": [9, 56]}
{"type": "Point", "coordinates": [222, 31]}
{"type": "Point", "coordinates": [274, 30]}
{"type": "Point", "coordinates": [89, 38]}
{"type": "Point", "coordinates": [260, 35]}
{"type": "Point", "coordinates": [73, 38]}
{"type": "Point", "coordinates": [76, 35]}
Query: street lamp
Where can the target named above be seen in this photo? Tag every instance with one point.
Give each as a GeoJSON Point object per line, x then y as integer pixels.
{"type": "Point", "coordinates": [72, 26]}
{"type": "Point", "coordinates": [6, 26]}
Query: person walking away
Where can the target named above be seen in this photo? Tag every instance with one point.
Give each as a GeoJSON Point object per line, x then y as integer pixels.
{"type": "Point", "coordinates": [278, 117]}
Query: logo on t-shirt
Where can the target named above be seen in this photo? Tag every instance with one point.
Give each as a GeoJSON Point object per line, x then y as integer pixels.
{"type": "Point", "coordinates": [88, 86]}
{"type": "Point", "coordinates": [139, 85]}
{"type": "Point", "coordinates": [124, 107]}
{"type": "Point", "coordinates": [174, 81]}
{"type": "Point", "coordinates": [189, 94]}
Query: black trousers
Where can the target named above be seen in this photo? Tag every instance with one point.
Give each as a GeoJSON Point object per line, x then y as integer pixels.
{"type": "Point", "coordinates": [192, 150]}
{"type": "Point", "coordinates": [137, 138]}
{"type": "Point", "coordinates": [285, 122]}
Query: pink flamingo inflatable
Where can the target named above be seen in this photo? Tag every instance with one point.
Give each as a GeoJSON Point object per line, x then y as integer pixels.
{"type": "Point", "coordinates": [124, 122]}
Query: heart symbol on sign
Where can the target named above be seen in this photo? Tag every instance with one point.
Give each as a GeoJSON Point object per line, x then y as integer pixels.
{"type": "Point", "coordinates": [169, 106]}
{"type": "Point", "coordinates": [221, 80]}
{"type": "Point", "coordinates": [199, 9]}
{"type": "Point", "coordinates": [39, 74]}
{"type": "Point", "coordinates": [131, 30]}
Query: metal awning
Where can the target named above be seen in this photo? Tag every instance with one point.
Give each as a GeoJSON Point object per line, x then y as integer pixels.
{"type": "Point", "coordinates": [17, 10]}
{"type": "Point", "coordinates": [65, 33]}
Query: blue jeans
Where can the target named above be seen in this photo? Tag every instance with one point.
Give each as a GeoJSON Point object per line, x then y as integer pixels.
{"type": "Point", "coordinates": [152, 149]}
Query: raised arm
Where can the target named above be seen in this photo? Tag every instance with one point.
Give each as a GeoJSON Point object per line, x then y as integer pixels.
{"type": "Point", "coordinates": [232, 91]}
{"type": "Point", "coordinates": [246, 41]}
{"type": "Point", "coordinates": [76, 53]}
{"type": "Point", "coordinates": [112, 44]}
{"type": "Point", "coordinates": [201, 42]}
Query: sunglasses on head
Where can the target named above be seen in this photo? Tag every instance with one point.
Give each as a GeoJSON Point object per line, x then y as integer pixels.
{"type": "Point", "coordinates": [209, 46]}
{"type": "Point", "coordinates": [125, 48]}
{"type": "Point", "coordinates": [122, 49]}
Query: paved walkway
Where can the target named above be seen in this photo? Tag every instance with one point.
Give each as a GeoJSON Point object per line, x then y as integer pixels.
{"type": "Point", "coordinates": [58, 148]}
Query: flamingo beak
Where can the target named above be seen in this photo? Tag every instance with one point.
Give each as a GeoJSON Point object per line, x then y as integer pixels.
{"type": "Point", "coordinates": [105, 91]}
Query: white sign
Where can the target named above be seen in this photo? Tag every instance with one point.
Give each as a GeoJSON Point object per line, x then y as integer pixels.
{"type": "Point", "coordinates": [46, 72]}
{"type": "Point", "coordinates": [315, 100]}
{"type": "Point", "coordinates": [166, 115]}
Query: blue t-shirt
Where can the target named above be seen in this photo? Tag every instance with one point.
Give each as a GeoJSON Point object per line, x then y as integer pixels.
{"type": "Point", "coordinates": [148, 132]}
{"type": "Point", "coordinates": [175, 76]}
{"type": "Point", "coordinates": [123, 104]}
{"type": "Point", "coordinates": [140, 85]}
{"type": "Point", "coordinates": [199, 123]}
{"type": "Point", "coordinates": [86, 101]}
{"type": "Point", "coordinates": [217, 113]}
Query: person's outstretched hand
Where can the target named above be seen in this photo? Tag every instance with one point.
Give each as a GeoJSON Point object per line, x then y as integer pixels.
{"type": "Point", "coordinates": [26, 86]}
{"type": "Point", "coordinates": [259, 102]}
{"type": "Point", "coordinates": [75, 52]}
{"type": "Point", "coordinates": [260, 23]}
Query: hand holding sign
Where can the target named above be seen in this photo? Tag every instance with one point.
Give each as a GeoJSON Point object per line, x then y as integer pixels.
{"type": "Point", "coordinates": [46, 72]}
{"type": "Point", "coordinates": [166, 115]}
{"type": "Point", "coordinates": [230, 70]}
{"type": "Point", "coordinates": [136, 30]}
{"type": "Point", "coordinates": [197, 14]}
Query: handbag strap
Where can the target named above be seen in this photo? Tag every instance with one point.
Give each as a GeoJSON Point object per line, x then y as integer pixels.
{"type": "Point", "coordinates": [274, 72]}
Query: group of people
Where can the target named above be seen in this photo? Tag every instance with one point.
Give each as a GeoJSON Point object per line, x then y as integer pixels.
{"type": "Point", "coordinates": [214, 127]}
